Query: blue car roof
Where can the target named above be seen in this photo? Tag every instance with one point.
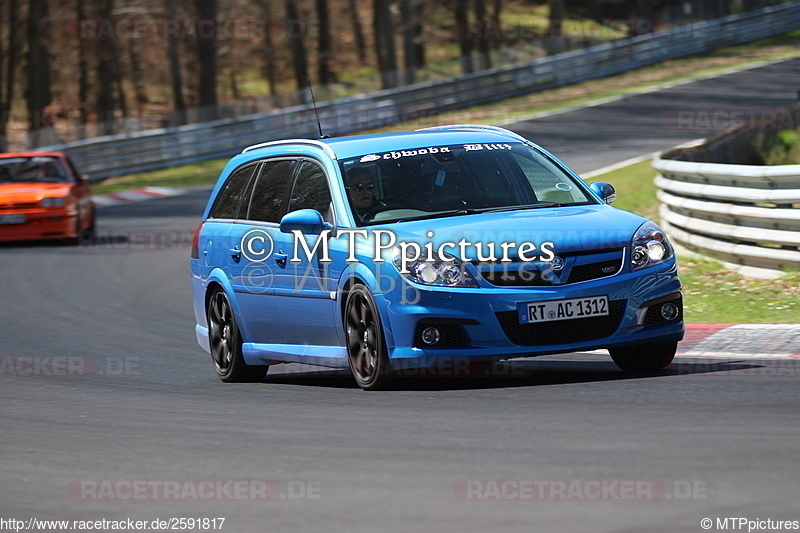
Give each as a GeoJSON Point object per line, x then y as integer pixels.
{"type": "Point", "coordinates": [346, 147]}
{"type": "Point", "coordinates": [352, 146]}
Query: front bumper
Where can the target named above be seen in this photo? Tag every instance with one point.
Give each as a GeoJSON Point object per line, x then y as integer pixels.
{"type": "Point", "coordinates": [483, 323]}
{"type": "Point", "coordinates": [53, 224]}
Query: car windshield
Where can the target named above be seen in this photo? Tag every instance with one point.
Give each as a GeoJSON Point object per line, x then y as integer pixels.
{"type": "Point", "coordinates": [32, 169]}
{"type": "Point", "coordinates": [441, 181]}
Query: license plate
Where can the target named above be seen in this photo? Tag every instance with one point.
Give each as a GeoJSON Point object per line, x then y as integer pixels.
{"type": "Point", "coordinates": [12, 219]}
{"type": "Point", "coordinates": [535, 312]}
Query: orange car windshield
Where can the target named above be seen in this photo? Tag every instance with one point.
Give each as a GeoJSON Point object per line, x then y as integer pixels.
{"type": "Point", "coordinates": [32, 169]}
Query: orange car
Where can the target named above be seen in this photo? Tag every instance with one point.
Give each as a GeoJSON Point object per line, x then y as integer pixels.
{"type": "Point", "coordinates": [42, 196]}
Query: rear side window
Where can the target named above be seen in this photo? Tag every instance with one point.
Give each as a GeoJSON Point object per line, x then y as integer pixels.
{"type": "Point", "coordinates": [311, 190]}
{"type": "Point", "coordinates": [232, 193]}
{"type": "Point", "coordinates": [270, 191]}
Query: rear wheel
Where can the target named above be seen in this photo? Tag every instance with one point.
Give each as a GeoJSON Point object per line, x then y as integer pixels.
{"type": "Point", "coordinates": [366, 349]}
{"type": "Point", "coordinates": [225, 341]}
{"type": "Point", "coordinates": [645, 357]}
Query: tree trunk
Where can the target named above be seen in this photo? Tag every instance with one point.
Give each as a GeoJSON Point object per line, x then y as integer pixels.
{"type": "Point", "coordinates": [409, 46]}
{"type": "Point", "coordinates": [484, 59]}
{"type": "Point", "coordinates": [269, 50]}
{"type": "Point", "coordinates": [207, 57]}
{"type": "Point", "coordinates": [555, 36]}
{"type": "Point", "coordinates": [175, 79]}
{"type": "Point", "coordinates": [106, 52]}
{"type": "Point", "coordinates": [37, 92]}
{"type": "Point", "coordinates": [123, 101]}
{"type": "Point", "coordinates": [83, 77]}
{"type": "Point", "coordinates": [299, 61]}
{"type": "Point", "coordinates": [464, 42]}
{"type": "Point", "coordinates": [325, 72]}
{"type": "Point", "coordinates": [497, 11]}
{"type": "Point", "coordinates": [419, 32]}
{"type": "Point", "coordinates": [7, 93]}
{"type": "Point", "coordinates": [358, 33]}
{"type": "Point", "coordinates": [384, 43]}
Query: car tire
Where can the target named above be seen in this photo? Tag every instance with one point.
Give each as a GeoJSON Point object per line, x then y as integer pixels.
{"type": "Point", "coordinates": [645, 357]}
{"type": "Point", "coordinates": [75, 239]}
{"type": "Point", "coordinates": [90, 232]}
{"type": "Point", "coordinates": [225, 341]}
{"type": "Point", "coordinates": [364, 338]}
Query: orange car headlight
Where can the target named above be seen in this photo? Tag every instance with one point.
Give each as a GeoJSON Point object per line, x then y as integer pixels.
{"type": "Point", "coordinates": [53, 201]}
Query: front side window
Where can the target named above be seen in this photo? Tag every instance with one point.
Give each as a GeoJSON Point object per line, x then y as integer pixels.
{"type": "Point", "coordinates": [456, 179]}
{"type": "Point", "coordinates": [311, 190]}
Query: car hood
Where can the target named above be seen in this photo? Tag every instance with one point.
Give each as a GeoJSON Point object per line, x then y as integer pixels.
{"type": "Point", "coordinates": [565, 229]}
{"type": "Point", "coordinates": [14, 193]}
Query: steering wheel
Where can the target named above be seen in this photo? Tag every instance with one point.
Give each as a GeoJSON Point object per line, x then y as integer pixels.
{"type": "Point", "coordinates": [369, 215]}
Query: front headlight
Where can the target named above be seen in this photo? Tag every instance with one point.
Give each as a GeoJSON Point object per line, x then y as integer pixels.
{"type": "Point", "coordinates": [437, 272]}
{"type": "Point", "coordinates": [649, 247]}
{"type": "Point", "coordinates": [53, 201]}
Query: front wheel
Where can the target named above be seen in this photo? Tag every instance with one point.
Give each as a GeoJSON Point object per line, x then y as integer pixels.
{"type": "Point", "coordinates": [225, 341]}
{"type": "Point", "coordinates": [366, 350]}
{"type": "Point", "coordinates": [644, 357]}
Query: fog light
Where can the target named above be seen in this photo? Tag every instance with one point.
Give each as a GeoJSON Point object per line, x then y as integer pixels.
{"type": "Point", "coordinates": [431, 336]}
{"type": "Point", "coordinates": [669, 311]}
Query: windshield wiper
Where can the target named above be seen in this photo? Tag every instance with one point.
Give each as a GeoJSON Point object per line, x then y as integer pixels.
{"type": "Point", "coordinates": [441, 214]}
{"type": "Point", "coordinates": [520, 207]}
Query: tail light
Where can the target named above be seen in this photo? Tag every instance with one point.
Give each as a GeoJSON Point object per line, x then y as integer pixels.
{"type": "Point", "coordinates": [195, 240]}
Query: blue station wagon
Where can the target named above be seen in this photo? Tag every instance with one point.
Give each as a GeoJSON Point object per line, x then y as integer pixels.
{"type": "Point", "coordinates": [390, 252]}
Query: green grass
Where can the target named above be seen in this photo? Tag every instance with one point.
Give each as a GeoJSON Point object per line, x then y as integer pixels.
{"type": "Point", "coordinates": [635, 189]}
{"type": "Point", "coordinates": [204, 173]}
{"type": "Point", "coordinates": [712, 294]}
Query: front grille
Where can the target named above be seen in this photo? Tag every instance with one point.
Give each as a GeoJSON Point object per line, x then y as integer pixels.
{"type": "Point", "coordinates": [514, 278]}
{"type": "Point", "coordinates": [653, 315]}
{"type": "Point", "coordinates": [594, 271]}
{"type": "Point", "coordinates": [514, 274]}
{"type": "Point", "coordinates": [26, 205]}
{"type": "Point", "coordinates": [562, 331]}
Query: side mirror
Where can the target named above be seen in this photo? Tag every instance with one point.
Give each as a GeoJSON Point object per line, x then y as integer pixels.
{"type": "Point", "coordinates": [604, 190]}
{"type": "Point", "coordinates": [306, 221]}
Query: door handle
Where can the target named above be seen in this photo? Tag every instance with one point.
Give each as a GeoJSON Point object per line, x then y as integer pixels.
{"type": "Point", "coordinates": [236, 254]}
{"type": "Point", "coordinates": [281, 258]}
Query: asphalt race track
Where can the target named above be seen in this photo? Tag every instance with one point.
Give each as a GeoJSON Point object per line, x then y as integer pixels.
{"type": "Point", "coordinates": [122, 407]}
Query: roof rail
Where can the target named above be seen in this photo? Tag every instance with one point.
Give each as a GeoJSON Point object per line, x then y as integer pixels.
{"type": "Point", "coordinates": [495, 129]}
{"type": "Point", "coordinates": [318, 144]}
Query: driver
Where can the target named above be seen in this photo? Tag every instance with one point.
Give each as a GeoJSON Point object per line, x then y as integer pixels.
{"type": "Point", "coordinates": [361, 190]}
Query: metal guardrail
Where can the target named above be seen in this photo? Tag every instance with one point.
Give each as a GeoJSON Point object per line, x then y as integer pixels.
{"type": "Point", "coordinates": [104, 157]}
{"type": "Point", "coordinates": [744, 214]}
